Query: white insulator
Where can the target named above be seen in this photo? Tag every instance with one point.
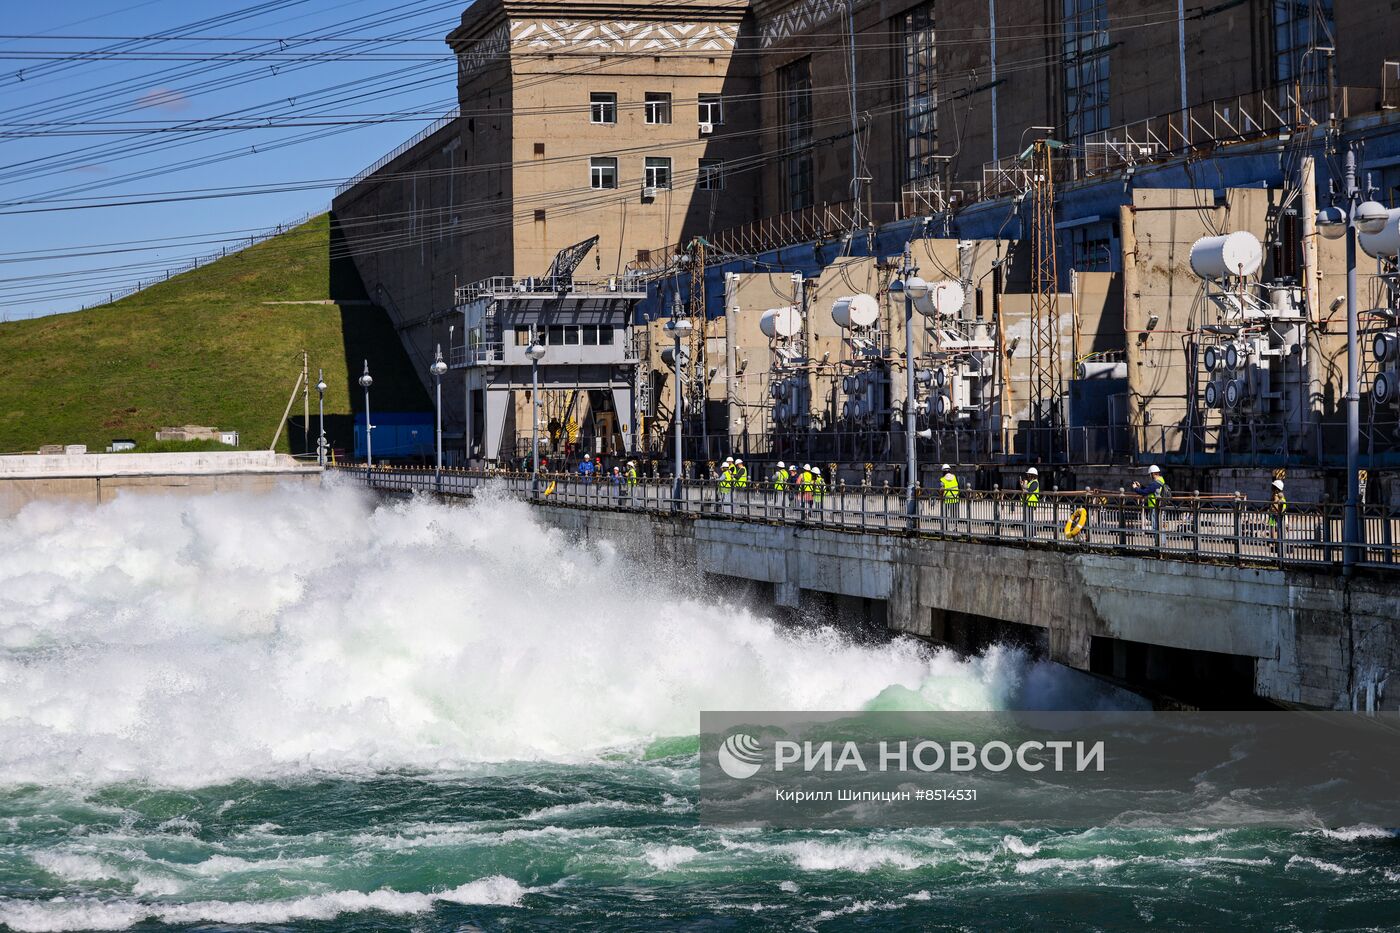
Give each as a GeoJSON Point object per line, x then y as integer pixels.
{"type": "Point", "coordinates": [1212, 395]}
{"type": "Point", "coordinates": [780, 323]}
{"type": "Point", "coordinates": [1235, 393]}
{"type": "Point", "coordinates": [1215, 257]}
{"type": "Point", "coordinates": [850, 384]}
{"type": "Point", "coordinates": [855, 311]}
{"type": "Point", "coordinates": [1387, 242]}
{"type": "Point", "coordinates": [1213, 359]}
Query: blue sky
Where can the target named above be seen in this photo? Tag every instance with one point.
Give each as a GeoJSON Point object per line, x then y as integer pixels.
{"type": "Point", "coordinates": [93, 111]}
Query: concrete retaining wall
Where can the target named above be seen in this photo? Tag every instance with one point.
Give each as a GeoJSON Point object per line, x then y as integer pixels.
{"type": "Point", "coordinates": [1313, 639]}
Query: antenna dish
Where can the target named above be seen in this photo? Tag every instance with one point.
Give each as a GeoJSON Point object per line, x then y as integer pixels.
{"type": "Point", "coordinates": [1217, 257]}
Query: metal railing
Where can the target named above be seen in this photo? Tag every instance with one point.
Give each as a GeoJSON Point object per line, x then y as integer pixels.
{"type": "Point", "coordinates": [397, 151]}
{"type": "Point", "coordinates": [1229, 530]}
{"type": "Point", "coordinates": [506, 286]}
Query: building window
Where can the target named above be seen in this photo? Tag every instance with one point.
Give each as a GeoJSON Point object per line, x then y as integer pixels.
{"type": "Point", "coordinates": [522, 336]}
{"type": "Point", "coordinates": [605, 335]}
{"type": "Point", "coordinates": [920, 94]}
{"type": "Point", "coordinates": [658, 107]}
{"type": "Point", "coordinates": [602, 107]}
{"type": "Point", "coordinates": [602, 172]}
{"type": "Point", "coordinates": [711, 109]}
{"type": "Point", "coordinates": [711, 175]}
{"type": "Point", "coordinates": [658, 172]}
{"type": "Point", "coordinates": [1299, 25]}
{"type": "Point", "coordinates": [795, 101]}
{"type": "Point", "coordinates": [1086, 67]}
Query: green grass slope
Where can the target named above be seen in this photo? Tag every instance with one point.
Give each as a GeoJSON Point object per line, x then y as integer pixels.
{"type": "Point", "coordinates": [207, 347]}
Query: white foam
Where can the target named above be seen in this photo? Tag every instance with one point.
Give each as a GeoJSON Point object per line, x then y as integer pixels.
{"type": "Point", "coordinates": [196, 640]}
{"type": "Point", "coordinates": [848, 856]}
{"type": "Point", "coordinates": [668, 858]}
{"type": "Point", "coordinates": [1015, 845]}
{"type": "Point", "coordinates": [1353, 833]}
{"type": "Point", "coordinates": [1320, 865]}
{"type": "Point", "coordinates": [1036, 865]}
{"type": "Point", "coordinates": [93, 914]}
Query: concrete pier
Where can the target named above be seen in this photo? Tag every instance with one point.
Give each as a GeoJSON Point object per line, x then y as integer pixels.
{"type": "Point", "coordinates": [1295, 637]}
{"type": "Point", "coordinates": [97, 478]}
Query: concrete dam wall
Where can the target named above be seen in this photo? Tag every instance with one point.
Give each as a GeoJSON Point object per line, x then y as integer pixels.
{"type": "Point", "coordinates": [1190, 629]}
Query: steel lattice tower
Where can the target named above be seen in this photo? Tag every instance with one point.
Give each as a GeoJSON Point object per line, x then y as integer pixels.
{"type": "Point", "coordinates": [1045, 367]}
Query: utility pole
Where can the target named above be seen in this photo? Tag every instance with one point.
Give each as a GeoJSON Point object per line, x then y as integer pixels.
{"type": "Point", "coordinates": [305, 402]}
{"type": "Point", "coordinates": [1045, 373]}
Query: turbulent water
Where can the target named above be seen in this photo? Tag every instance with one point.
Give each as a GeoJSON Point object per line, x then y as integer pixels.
{"type": "Point", "coordinates": [311, 711]}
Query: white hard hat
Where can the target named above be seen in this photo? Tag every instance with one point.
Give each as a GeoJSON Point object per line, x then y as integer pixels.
{"type": "Point", "coordinates": [1153, 469]}
{"type": "Point", "coordinates": [740, 460]}
{"type": "Point", "coordinates": [782, 465]}
{"type": "Point", "coordinates": [1032, 472]}
{"type": "Point", "coordinates": [817, 470]}
{"type": "Point", "coordinates": [806, 466]}
{"type": "Point", "coordinates": [1278, 484]}
{"type": "Point", "coordinates": [728, 459]}
{"type": "Point", "coordinates": [588, 456]}
{"type": "Point", "coordinates": [631, 463]}
{"type": "Point", "coordinates": [947, 469]}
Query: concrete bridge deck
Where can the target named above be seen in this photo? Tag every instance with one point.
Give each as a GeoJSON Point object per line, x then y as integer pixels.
{"type": "Point", "coordinates": [1208, 599]}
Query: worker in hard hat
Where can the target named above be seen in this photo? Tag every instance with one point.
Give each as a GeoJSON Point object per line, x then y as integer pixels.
{"type": "Point", "coordinates": [587, 468]}
{"type": "Point", "coordinates": [631, 476]}
{"type": "Point", "coordinates": [1030, 487]}
{"type": "Point", "coordinates": [1154, 492]}
{"type": "Point", "coordinates": [804, 487]}
{"type": "Point", "coordinates": [781, 483]}
{"type": "Point", "coordinates": [741, 474]}
{"type": "Point", "coordinates": [726, 479]}
{"type": "Point", "coordinates": [818, 488]}
{"type": "Point", "coordinates": [1278, 505]}
{"type": "Point", "coordinates": [949, 482]}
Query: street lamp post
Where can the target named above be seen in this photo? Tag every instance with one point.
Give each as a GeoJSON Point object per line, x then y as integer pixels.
{"type": "Point", "coordinates": [1353, 216]}
{"type": "Point", "coordinates": [366, 381]}
{"type": "Point", "coordinates": [438, 369]}
{"type": "Point", "coordinates": [536, 352]}
{"type": "Point", "coordinates": [913, 288]}
{"type": "Point", "coordinates": [680, 328]}
{"type": "Point", "coordinates": [321, 405]}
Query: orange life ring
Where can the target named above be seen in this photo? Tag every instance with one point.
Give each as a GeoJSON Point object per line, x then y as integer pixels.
{"type": "Point", "coordinates": [1077, 520]}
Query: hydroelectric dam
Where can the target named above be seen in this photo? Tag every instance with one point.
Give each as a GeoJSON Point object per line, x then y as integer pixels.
{"type": "Point", "coordinates": [1212, 606]}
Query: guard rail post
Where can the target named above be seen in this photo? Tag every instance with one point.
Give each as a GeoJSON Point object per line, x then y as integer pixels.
{"type": "Point", "coordinates": [1239, 531]}
{"type": "Point", "coordinates": [1280, 544]}
{"type": "Point", "coordinates": [1196, 522]}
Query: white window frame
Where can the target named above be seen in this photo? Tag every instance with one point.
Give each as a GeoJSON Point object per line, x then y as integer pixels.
{"type": "Point", "coordinates": [711, 109]}
{"type": "Point", "coordinates": [711, 177]}
{"type": "Point", "coordinates": [597, 165]}
{"type": "Point", "coordinates": [650, 171]}
{"type": "Point", "coordinates": [598, 108]}
{"type": "Point", "coordinates": [657, 107]}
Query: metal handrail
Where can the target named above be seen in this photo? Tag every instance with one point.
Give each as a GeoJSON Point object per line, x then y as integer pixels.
{"type": "Point", "coordinates": [1226, 529]}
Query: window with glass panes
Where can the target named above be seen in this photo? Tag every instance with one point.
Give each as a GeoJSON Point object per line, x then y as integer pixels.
{"type": "Point", "coordinates": [657, 107]}
{"type": "Point", "coordinates": [795, 101]}
{"type": "Point", "coordinates": [711, 109]}
{"type": "Point", "coordinates": [711, 175]}
{"type": "Point", "coordinates": [920, 94]}
{"type": "Point", "coordinates": [658, 172]}
{"type": "Point", "coordinates": [602, 107]}
{"type": "Point", "coordinates": [602, 172]}
{"type": "Point", "coordinates": [1085, 66]}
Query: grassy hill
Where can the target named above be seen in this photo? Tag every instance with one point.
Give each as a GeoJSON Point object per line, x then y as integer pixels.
{"type": "Point", "coordinates": [207, 347]}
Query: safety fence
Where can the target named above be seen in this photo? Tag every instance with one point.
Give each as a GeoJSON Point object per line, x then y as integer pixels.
{"type": "Point", "coordinates": [1216, 529]}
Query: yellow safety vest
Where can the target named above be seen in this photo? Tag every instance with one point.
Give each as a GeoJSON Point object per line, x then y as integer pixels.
{"type": "Point", "coordinates": [818, 487]}
{"type": "Point", "coordinates": [1033, 492]}
{"type": "Point", "coordinates": [631, 476]}
{"type": "Point", "coordinates": [780, 478]}
{"type": "Point", "coordinates": [1157, 484]}
{"type": "Point", "coordinates": [804, 482]}
{"type": "Point", "coordinates": [742, 475]}
{"type": "Point", "coordinates": [950, 488]}
{"type": "Point", "coordinates": [726, 479]}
